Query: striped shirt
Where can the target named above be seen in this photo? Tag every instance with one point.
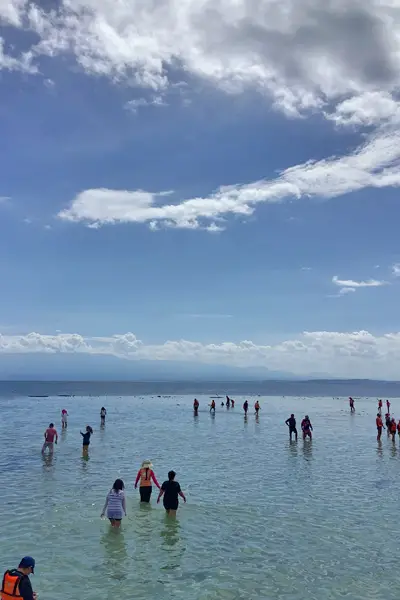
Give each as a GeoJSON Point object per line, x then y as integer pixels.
{"type": "Point", "coordinates": [115, 504]}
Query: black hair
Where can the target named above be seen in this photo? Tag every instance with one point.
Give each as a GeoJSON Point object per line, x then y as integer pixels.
{"type": "Point", "coordinates": [118, 485]}
{"type": "Point", "coordinates": [171, 475]}
{"type": "Point", "coordinates": [51, 425]}
{"type": "Point", "coordinates": [88, 428]}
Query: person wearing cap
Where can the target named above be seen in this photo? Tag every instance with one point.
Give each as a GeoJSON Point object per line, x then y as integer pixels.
{"type": "Point", "coordinates": [16, 582]}
{"type": "Point", "coordinates": [146, 476]}
{"type": "Point", "coordinates": [306, 427]}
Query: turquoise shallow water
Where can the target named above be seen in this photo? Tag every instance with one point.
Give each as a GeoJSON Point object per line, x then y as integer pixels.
{"type": "Point", "coordinates": [264, 518]}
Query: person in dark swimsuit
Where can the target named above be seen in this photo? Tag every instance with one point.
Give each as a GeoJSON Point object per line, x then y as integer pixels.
{"type": "Point", "coordinates": [291, 423]}
{"type": "Point", "coordinates": [170, 490]}
{"type": "Point", "coordinates": [86, 440]}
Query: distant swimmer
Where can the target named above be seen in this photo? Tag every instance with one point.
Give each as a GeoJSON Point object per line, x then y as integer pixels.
{"type": "Point", "coordinates": [387, 423]}
{"type": "Point", "coordinates": [379, 426]}
{"type": "Point", "coordinates": [228, 402]}
{"type": "Point", "coordinates": [103, 414]}
{"type": "Point", "coordinates": [291, 423]}
{"type": "Point", "coordinates": [245, 407]}
{"type": "Point", "coordinates": [306, 427]}
{"type": "Point", "coordinates": [393, 429]}
{"type": "Point", "coordinates": [50, 438]}
{"type": "Point", "coordinates": [351, 402]}
{"type": "Point", "coordinates": [146, 476]}
{"type": "Point", "coordinates": [170, 490]}
{"type": "Point", "coordinates": [222, 404]}
{"type": "Point", "coordinates": [380, 404]}
{"type": "Point", "coordinates": [64, 418]}
{"type": "Point", "coordinates": [115, 504]}
{"type": "Point", "coordinates": [86, 439]}
{"type": "Point", "coordinates": [388, 405]}
{"type": "Point", "coordinates": [212, 406]}
{"type": "Point", "coordinates": [16, 582]}
{"type": "Point", "coordinates": [195, 406]}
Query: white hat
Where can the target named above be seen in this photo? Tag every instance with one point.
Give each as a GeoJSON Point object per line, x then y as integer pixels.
{"type": "Point", "coordinates": [147, 464]}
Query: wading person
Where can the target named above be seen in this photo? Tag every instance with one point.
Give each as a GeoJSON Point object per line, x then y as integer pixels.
{"type": "Point", "coordinates": [115, 504]}
{"type": "Point", "coordinates": [170, 490]}
{"type": "Point", "coordinates": [50, 438]}
{"type": "Point", "coordinates": [146, 476]}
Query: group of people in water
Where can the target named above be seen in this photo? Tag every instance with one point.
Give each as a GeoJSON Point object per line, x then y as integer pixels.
{"type": "Point", "coordinates": [306, 426]}
{"type": "Point", "coordinates": [390, 422]}
{"type": "Point", "coordinates": [115, 504]}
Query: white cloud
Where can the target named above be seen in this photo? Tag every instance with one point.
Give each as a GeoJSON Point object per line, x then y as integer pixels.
{"type": "Point", "coordinates": [352, 354]}
{"type": "Point", "coordinates": [376, 164]}
{"type": "Point", "coordinates": [350, 283]}
{"type": "Point", "coordinates": [134, 105]}
{"type": "Point", "coordinates": [396, 270]}
{"type": "Point", "coordinates": [303, 54]}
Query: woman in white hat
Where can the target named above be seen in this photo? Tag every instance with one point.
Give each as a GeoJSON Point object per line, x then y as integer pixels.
{"type": "Point", "coordinates": [146, 476]}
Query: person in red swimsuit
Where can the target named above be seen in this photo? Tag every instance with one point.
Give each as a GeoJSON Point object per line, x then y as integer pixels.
{"type": "Point", "coordinates": [306, 427]}
{"type": "Point", "coordinates": [379, 426]}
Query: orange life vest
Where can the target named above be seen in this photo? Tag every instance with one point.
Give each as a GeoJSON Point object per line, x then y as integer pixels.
{"type": "Point", "coordinates": [10, 585]}
{"type": "Point", "coordinates": [145, 477]}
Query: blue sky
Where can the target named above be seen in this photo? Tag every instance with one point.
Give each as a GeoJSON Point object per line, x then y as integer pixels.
{"type": "Point", "coordinates": [93, 131]}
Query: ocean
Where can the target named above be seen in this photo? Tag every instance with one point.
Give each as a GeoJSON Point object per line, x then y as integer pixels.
{"type": "Point", "coordinates": [265, 518]}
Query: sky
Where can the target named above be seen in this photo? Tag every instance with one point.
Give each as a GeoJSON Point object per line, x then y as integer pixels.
{"type": "Point", "coordinates": [207, 182]}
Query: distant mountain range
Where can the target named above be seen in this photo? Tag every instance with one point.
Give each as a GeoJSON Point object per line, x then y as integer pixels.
{"type": "Point", "coordinates": [86, 367]}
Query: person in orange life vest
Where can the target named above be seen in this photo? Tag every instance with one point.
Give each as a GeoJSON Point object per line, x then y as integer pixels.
{"type": "Point", "coordinates": [16, 582]}
{"type": "Point", "coordinates": [380, 407]}
{"type": "Point", "coordinates": [212, 409]}
{"type": "Point", "coordinates": [393, 428]}
{"type": "Point", "coordinates": [257, 407]}
{"type": "Point", "coordinates": [195, 405]}
{"type": "Point", "coordinates": [379, 426]}
{"type": "Point", "coordinates": [146, 476]}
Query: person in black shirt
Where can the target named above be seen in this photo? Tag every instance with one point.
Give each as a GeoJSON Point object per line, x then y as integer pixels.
{"type": "Point", "coordinates": [86, 440]}
{"type": "Point", "coordinates": [291, 423]}
{"type": "Point", "coordinates": [170, 490]}
{"type": "Point", "coordinates": [17, 582]}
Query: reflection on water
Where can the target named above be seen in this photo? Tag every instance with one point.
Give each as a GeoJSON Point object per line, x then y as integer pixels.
{"type": "Point", "coordinates": [115, 553]}
{"type": "Point", "coordinates": [307, 449]}
{"type": "Point", "coordinates": [293, 448]}
{"type": "Point", "coordinates": [170, 538]}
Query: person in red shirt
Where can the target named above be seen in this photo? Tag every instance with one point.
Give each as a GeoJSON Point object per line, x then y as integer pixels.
{"type": "Point", "coordinates": [146, 476]}
{"type": "Point", "coordinates": [380, 407]}
{"type": "Point", "coordinates": [393, 429]}
{"type": "Point", "coordinates": [195, 406]}
{"type": "Point", "coordinates": [50, 438]}
{"type": "Point", "coordinates": [379, 426]}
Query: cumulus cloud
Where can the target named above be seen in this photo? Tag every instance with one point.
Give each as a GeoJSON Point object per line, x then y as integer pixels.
{"type": "Point", "coordinates": [375, 164]}
{"type": "Point", "coordinates": [303, 54]}
{"type": "Point", "coordinates": [353, 354]}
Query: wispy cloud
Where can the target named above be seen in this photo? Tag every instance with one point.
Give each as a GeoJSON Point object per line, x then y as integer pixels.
{"type": "Point", "coordinates": [205, 316]}
{"type": "Point", "coordinates": [137, 103]}
{"type": "Point", "coordinates": [396, 270]}
{"type": "Point", "coordinates": [351, 283]}
{"type": "Point", "coordinates": [349, 286]}
{"type": "Point", "coordinates": [376, 164]}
